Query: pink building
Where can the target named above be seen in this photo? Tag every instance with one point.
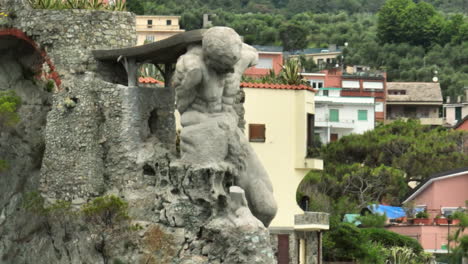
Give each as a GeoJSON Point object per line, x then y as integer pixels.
{"type": "Point", "coordinates": [462, 124]}
{"type": "Point", "coordinates": [440, 195]}
{"type": "Point", "coordinates": [269, 58]}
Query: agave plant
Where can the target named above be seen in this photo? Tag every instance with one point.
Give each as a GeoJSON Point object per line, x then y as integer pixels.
{"type": "Point", "coordinates": [47, 4]}
{"type": "Point", "coordinates": [94, 4]}
{"type": "Point", "coordinates": [118, 5]}
{"type": "Point", "coordinates": [271, 77]}
{"type": "Point", "coordinates": [402, 255]}
{"type": "Point", "coordinates": [291, 73]}
{"type": "Point", "coordinates": [76, 4]}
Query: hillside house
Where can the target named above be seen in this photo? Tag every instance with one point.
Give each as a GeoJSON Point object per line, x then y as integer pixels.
{"type": "Point", "coordinates": [417, 100]}
{"type": "Point", "coordinates": [323, 57]}
{"type": "Point", "coordinates": [440, 195]}
{"type": "Point", "coordinates": [337, 116]}
{"type": "Point", "coordinates": [270, 58]}
{"type": "Point", "coordinates": [155, 28]}
{"type": "Point", "coordinates": [456, 110]}
{"type": "Point", "coordinates": [356, 84]}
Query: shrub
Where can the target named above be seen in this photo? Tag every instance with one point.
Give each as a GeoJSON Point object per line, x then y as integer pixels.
{"type": "Point", "coordinates": [3, 165]}
{"type": "Point", "coordinates": [9, 104]}
{"type": "Point", "coordinates": [424, 215]}
{"type": "Point", "coordinates": [391, 239]}
{"type": "Point", "coordinates": [34, 203]}
{"type": "Point", "coordinates": [117, 5]}
{"type": "Point", "coordinates": [159, 244]}
{"type": "Point", "coordinates": [344, 242]}
{"type": "Point", "coordinates": [373, 220]}
{"type": "Point", "coordinates": [106, 210]}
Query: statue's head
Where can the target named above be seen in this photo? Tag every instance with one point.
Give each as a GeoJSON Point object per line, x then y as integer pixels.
{"type": "Point", "coordinates": [221, 48]}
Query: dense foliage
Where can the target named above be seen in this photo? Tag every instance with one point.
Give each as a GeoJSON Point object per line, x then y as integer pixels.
{"type": "Point", "coordinates": [284, 7]}
{"type": "Point", "coordinates": [345, 242]}
{"type": "Point", "coordinates": [391, 239]}
{"type": "Point", "coordinates": [376, 166]}
{"type": "Point", "coordinates": [116, 5]}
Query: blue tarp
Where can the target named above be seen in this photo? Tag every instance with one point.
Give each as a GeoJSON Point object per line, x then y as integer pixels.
{"type": "Point", "coordinates": [392, 212]}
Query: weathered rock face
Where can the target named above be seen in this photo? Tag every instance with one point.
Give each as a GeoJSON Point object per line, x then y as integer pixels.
{"type": "Point", "coordinates": [22, 146]}
{"type": "Point", "coordinates": [92, 137]}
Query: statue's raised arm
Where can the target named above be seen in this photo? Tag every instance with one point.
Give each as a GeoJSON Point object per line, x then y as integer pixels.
{"type": "Point", "coordinates": [187, 77]}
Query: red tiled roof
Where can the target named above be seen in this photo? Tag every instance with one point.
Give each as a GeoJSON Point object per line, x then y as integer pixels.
{"type": "Point", "coordinates": [149, 80]}
{"type": "Point", "coordinates": [276, 86]}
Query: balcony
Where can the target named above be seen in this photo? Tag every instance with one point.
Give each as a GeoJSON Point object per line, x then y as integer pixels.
{"type": "Point", "coordinates": [312, 221]}
{"type": "Point", "coordinates": [438, 121]}
{"type": "Point", "coordinates": [342, 123]}
{"type": "Point", "coordinates": [309, 164]}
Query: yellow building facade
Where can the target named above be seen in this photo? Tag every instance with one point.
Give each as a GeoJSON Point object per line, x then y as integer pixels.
{"type": "Point", "coordinates": [155, 28]}
{"type": "Point", "coordinates": [287, 117]}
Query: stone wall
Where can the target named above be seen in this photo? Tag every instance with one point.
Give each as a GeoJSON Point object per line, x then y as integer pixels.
{"type": "Point", "coordinates": [69, 36]}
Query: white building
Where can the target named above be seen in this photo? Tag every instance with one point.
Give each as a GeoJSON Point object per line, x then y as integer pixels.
{"type": "Point", "coordinates": [337, 116]}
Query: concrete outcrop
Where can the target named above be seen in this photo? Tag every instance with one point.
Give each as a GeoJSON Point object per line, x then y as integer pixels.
{"type": "Point", "coordinates": [96, 174]}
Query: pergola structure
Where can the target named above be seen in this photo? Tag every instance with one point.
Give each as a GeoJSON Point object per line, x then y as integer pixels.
{"type": "Point", "coordinates": [164, 52]}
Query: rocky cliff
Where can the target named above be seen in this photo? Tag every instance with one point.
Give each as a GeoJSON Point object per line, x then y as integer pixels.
{"type": "Point", "coordinates": [94, 171]}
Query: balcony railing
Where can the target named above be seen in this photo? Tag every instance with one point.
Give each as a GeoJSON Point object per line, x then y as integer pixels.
{"type": "Point", "coordinates": [423, 120]}
{"type": "Point", "coordinates": [342, 123]}
{"type": "Point", "coordinates": [157, 28]}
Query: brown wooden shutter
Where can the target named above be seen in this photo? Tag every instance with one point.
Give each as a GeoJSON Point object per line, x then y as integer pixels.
{"type": "Point", "coordinates": [283, 249]}
{"type": "Point", "coordinates": [257, 132]}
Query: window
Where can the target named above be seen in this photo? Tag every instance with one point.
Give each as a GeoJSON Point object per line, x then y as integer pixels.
{"type": "Point", "coordinates": [257, 132]}
{"type": "Point", "coordinates": [350, 84]}
{"type": "Point", "coordinates": [168, 22]}
{"type": "Point", "coordinates": [265, 63]}
{"type": "Point", "coordinates": [397, 92]}
{"type": "Point", "coordinates": [379, 107]}
{"type": "Point", "coordinates": [150, 23]}
{"type": "Point", "coordinates": [317, 84]}
{"type": "Point", "coordinates": [334, 115]}
{"type": "Point", "coordinates": [446, 211]}
{"type": "Point", "coordinates": [310, 132]}
{"type": "Point", "coordinates": [149, 38]}
{"type": "Point", "coordinates": [372, 85]}
{"type": "Point", "coordinates": [362, 115]}
{"type": "Point", "coordinates": [325, 92]}
{"type": "Point", "coordinates": [458, 113]}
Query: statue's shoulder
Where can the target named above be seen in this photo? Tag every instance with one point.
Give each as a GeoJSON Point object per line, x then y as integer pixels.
{"type": "Point", "coordinates": [192, 59]}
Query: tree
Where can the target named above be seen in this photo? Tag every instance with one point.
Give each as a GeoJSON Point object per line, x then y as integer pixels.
{"type": "Point", "coordinates": [293, 36]}
{"type": "Point", "coordinates": [135, 6]}
{"type": "Point", "coordinates": [392, 18]}
{"type": "Point", "coordinates": [344, 242]}
{"type": "Point", "coordinates": [404, 21]}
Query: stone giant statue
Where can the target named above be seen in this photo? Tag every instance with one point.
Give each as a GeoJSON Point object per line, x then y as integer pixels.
{"type": "Point", "coordinates": [207, 80]}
